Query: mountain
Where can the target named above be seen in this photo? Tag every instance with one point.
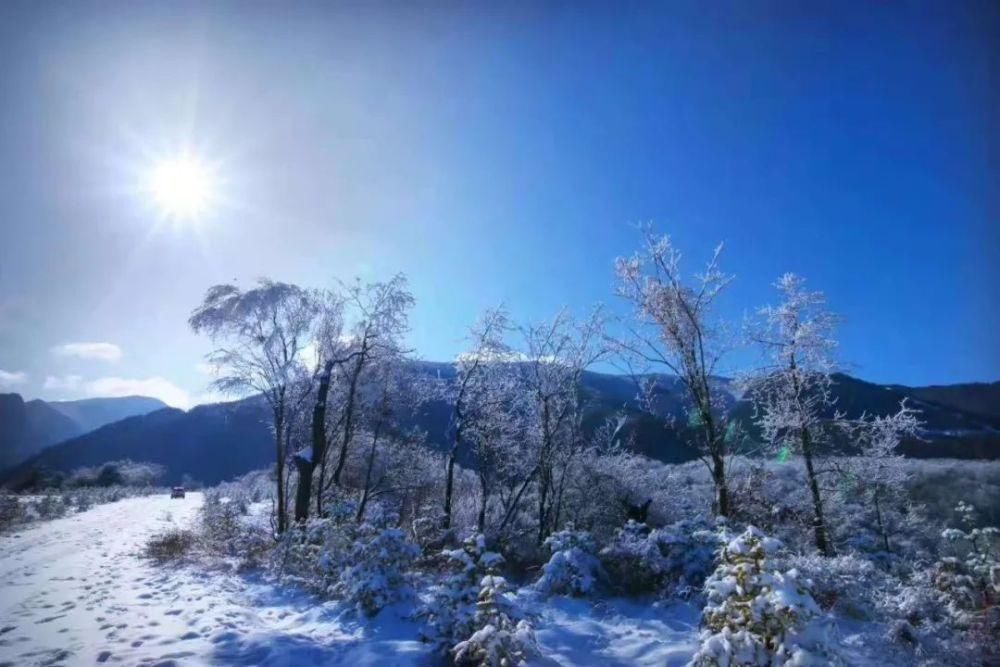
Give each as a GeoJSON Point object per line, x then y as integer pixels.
{"type": "Point", "coordinates": [211, 442]}
{"type": "Point", "coordinates": [93, 413]}
{"type": "Point", "coordinates": [977, 398]}
{"type": "Point", "coordinates": [27, 427]}
{"type": "Point", "coordinates": [217, 442]}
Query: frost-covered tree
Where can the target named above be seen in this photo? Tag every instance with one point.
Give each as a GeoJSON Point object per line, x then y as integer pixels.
{"type": "Point", "coordinates": [330, 352]}
{"type": "Point", "coordinates": [758, 616]}
{"type": "Point", "coordinates": [477, 404]}
{"type": "Point", "coordinates": [555, 355]}
{"type": "Point", "coordinates": [792, 391]}
{"type": "Point", "coordinates": [878, 475]}
{"type": "Point", "coordinates": [263, 333]}
{"type": "Point", "coordinates": [675, 328]}
{"type": "Point", "coordinates": [379, 315]}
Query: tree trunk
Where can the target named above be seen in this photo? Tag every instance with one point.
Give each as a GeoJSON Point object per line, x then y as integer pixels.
{"type": "Point", "coordinates": [368, 474]}
{"type": "Point", "coordinates": [544, 484]}
{"type": "Point", "coordinates": [348, 419]}
{"type": "Point", "coordinates": [721, 490]}
{"type": "Point", "coordinates": [279, 430]}
{"type": "Point", "coordinates": [448, 485]}
{"type": "Point", "coordinates": [819, 524]}
{"type": "Point", "coordinates": [306, 467]}
{"type": "Point", "coordinates": [881, 525]}
{"type": "Point", "coordinates": [481, 520]}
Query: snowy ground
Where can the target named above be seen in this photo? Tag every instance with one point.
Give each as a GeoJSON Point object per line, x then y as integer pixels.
{"type": "Point", "coordinates": [78, 591]}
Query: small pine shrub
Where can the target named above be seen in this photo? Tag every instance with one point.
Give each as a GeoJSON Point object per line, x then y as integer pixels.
{"type": "Point", "coordinates": [502, 638]}
{"type": "Point", "coordinates": [759, 617]}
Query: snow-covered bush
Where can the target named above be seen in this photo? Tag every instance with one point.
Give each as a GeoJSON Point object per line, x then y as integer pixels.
{"type": "Point", "coordinates": [364, 564]}
{"type": "Point", "coordinates": [759, 617]}
{"type": "Point", "coordinates": [169, 545]}
{"type": "Point", "coordinates": [11, 511]}
{"type": "Point", "coordinates": [574, 568]}
{"type": "Point", "coordinates": [376, 576]}
{"type": "Point", "coordinates": [969, 578]}
{"type": "Point", "coordinates": [502, 637]}
{"type": "Point", "coordinates": [846, 584]}
{"type": "Point", "coordinates": [471, 615]}
{"type": "Point", "coordinates": [450, 614]}
{"type": "Point", "coordinates": [675, 558]}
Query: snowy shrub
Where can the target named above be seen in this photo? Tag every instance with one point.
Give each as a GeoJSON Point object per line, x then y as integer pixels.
{"type": "Point", "coordinates": [847, 584]}
{"type": "Point", "coordinates": [471, 614]}
{"type": "Point", "coordinates": [573, 569]}
{"type": "Point", "coordinates": [675, 558]}
{"type": "Point", "coordinates": [11, 511]}
{"type": "Point", "coordinates": [170, 545]}
{"type": "Point", "coordinates": [759, 617]}
{"type": "Point", "coordinates": [502, 636]}
{"type": "Point", "coordinates": [969, 579]}
{"type": "Point", "coordinates": [450, 614]}
{"type": "Point", "coordinates": [363, 564]}
{"type": "Point", "coordinates": [376, 576]}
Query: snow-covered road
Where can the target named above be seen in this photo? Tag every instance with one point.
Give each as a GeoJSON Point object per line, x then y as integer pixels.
{"type": "Point", "coordinates": [77, 591]}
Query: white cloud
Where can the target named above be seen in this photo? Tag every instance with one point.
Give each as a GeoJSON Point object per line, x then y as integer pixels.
{"type": "Point", "coordinates": [12, 378]}
{"type": "Point", "coordinates": [65, 384]}
{"type": "Point", "coordinates": [74, 386]}
{"type": "Point", "coordinates": [97, 351]}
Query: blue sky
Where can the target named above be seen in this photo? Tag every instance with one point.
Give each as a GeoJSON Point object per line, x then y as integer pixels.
{"type": "Point", "coordinates": [494, 152]}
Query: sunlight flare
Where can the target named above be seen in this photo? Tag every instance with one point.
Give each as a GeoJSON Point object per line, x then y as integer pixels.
{"type": "Point", "coordinates": [182, 187]}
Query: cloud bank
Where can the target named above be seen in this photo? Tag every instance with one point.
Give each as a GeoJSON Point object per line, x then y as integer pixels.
{"type": "Point", "coordinates": [12, 378]}
{"type": "Point", "coordinates": [74, 386]}
{"type": "Point", "coordinates": [96, 351]}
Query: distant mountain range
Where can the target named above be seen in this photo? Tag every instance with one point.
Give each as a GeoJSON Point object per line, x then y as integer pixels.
{"type": "Point", "coordinates": [219, 441]}
{"type": "Point", "coordinates": [27, 427]}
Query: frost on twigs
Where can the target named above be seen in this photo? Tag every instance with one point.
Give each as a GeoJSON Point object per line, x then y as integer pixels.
{"type": "Point", "coordinates": [759, 617]}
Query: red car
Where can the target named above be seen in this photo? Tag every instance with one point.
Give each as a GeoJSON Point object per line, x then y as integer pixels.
{"type": "Point", "coordinates": [177, 492]}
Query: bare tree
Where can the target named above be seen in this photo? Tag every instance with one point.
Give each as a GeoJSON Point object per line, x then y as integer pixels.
{"type": "Point", "coordinates": [264, 332]}
{"type": "Point", "coordinates": [380, 312]}
{"type": "Point", "coordinates": [674, 328]}
{"type": "Point", "coordinates": [473, 403]}
{"type": "Point", "coordinates": [555, 356]}
{"type": "Point", "coordinates": [792, 390]}
{"type": "Point", "coordinates": [327, 352]}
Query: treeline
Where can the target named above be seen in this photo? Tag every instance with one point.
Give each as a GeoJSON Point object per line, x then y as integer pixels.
{"type": "Point", "coordinates": [332, 366]}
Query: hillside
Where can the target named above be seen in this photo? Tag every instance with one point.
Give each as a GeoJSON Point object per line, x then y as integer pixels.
{"type": "Point", "coordinates": [27, 427]}
{"type": "Point", "coordinates": [93, 413]}
{"type": "Point", "coordinates": [219, 441]}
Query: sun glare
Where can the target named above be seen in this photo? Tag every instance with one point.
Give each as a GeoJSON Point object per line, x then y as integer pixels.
{"type": "Point", "coordinates": [181, 187]}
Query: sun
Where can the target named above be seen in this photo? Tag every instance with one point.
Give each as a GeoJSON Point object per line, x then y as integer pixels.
{"type": "Point", "coordinates": [182, 187]}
